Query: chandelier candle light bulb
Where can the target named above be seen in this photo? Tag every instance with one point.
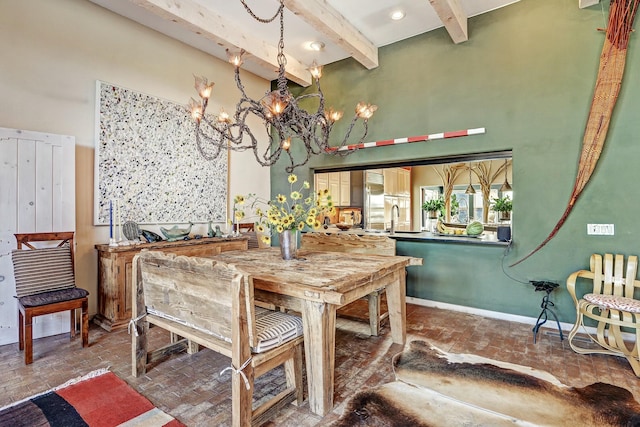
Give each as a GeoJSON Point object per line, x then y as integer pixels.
{"type": "Point", "coordinates": [235, 58]}
{"type": "Point", "coordinates": [315, 70]}
{"type": "Point", "coordinates": [223, 117]}
{"type": "Point", "coordinates": [333, 115]}
{"type": "Point", "coordinates": [365, 111]}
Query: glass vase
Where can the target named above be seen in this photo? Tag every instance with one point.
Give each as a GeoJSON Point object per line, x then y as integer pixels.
{"type": "Point", "coordinates": [289, 244]}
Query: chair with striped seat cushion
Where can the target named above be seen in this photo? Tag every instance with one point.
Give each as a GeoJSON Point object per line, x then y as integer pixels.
{"type": "Point", "coordinates": [45, 284]}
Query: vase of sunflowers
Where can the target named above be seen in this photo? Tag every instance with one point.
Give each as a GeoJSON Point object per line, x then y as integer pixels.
{"type": "Point", "coordinates": [288, 244]}
{"type": "Point", "coordinates": [287, 215]}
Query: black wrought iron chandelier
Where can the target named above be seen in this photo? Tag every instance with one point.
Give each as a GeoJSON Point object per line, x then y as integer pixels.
{"type": "Point", "coordinates": [285, 122]}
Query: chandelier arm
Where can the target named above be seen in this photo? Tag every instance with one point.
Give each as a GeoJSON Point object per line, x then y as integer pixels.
{"type": "Point", "coordinates": [211, 124]}
{"type": "Point", "coordinates": [309, 140]}
{"type": "Point", "coordinates": [273, 150]}
{"type": "Point", "coordinates": [240, 87]}
{"type": "Point", "coordinates": [205, 155]}
{"type": "Point", "coordinates": [345, 140]}
{"type": "Point", "coordinates": [266, 159]}
{"type": "Point", "coordinates": [320, 110]}
{"type": "Point", "coordinates": [321, 96]}
{"type": "Point", "coordinates": [315, 142]}
{"type": "Point", "coordinates": [294, 165]}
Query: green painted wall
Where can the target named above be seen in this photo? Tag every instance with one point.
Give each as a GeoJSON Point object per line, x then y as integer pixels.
{"type": "Point", "coordinates": [527, 75]}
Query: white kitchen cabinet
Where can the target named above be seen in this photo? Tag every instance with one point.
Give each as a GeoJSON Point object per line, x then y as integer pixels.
{"type": "Point", "coordinates": [321, 181]}
{"type": "Point", "coordinates": [334, 187]}
{"type": "Point", "coordinates": [345, 188]}
{"type": "Point", "coordinates": [390, 181]}
{"type": "Point", "coordinates": [338, 184]}
{"type": "Point", "coordinates": [404, 182]}
{"type": "Point", "coordinates": [397, 181]}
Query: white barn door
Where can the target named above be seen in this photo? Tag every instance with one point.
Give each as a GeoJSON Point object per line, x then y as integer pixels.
{"type": "Point", "coordinates": [37, 194]}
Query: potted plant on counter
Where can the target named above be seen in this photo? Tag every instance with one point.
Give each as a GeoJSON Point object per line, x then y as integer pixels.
{"type": "Point", "coordinates": [504, 205]}
{"type": "Point", "coordinates": [433, 206]}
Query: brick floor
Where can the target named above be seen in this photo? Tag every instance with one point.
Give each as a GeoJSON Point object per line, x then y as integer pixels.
{"type": "Point", "coordinates": [190, 388]}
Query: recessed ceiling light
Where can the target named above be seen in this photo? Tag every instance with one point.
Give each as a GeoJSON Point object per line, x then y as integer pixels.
{"type": "Point", "coordinates": [397, 15]}
{"type": "Point", "coordinates": [317, 46]}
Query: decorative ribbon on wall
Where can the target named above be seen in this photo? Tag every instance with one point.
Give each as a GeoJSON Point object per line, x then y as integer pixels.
{"type": "Point", "coordinates": [612, 60]}
{"type": "Point", "coordinates": [433, 136]}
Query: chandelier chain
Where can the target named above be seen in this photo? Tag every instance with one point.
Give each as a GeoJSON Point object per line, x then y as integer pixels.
{"type": "Point", "coordinates": [263, 20]}
{"type": "Point", "coordinates": [282, 59]}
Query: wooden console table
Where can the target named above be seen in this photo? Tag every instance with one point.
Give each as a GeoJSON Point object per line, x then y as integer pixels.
{"type": "Point", "coordinates": [114, 272]}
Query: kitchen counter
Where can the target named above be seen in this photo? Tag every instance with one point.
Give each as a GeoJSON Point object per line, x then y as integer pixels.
{"type": "Point", "coordinates": [487, 238]}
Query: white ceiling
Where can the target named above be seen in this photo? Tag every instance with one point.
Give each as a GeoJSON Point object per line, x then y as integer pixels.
{"type": "Point", "coordinates": [348, 28]}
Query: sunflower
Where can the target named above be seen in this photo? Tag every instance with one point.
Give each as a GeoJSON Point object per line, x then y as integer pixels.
{"type": "Point", "coordinates": [300, 209]}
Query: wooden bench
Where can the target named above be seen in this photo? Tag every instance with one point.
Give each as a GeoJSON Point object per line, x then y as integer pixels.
{"type": "Point", "coordinates": [204, 302]}
{"type": "Point", "coordinates": [353, 243]}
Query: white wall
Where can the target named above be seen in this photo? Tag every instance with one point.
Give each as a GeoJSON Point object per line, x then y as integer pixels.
{"type": "Point", "coordinates": [53, 51]}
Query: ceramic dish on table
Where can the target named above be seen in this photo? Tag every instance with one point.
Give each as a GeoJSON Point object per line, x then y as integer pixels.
{"type": "Point", "coordinates": [343, 226]}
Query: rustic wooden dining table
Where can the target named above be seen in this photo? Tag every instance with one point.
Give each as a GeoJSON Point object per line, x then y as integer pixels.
{"type": "Point", "coordinates": [316, 284]}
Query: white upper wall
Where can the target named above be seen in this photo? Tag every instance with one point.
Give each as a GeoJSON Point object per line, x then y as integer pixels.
{"type": "Point", "coordinates": [52, 54]}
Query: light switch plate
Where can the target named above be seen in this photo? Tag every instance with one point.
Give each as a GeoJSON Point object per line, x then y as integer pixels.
{"type": "Point", "coordinates": [600, 229]}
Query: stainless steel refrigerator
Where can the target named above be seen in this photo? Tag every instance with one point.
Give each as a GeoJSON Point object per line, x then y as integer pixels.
{"type": "Point", "coordinates": [374, 201]}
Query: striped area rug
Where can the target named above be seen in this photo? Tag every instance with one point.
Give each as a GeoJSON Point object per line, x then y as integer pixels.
{"type": "Point", "coordinates": [99, 399]}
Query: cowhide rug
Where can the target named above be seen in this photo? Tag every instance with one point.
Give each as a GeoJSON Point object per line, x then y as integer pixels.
{"type": "Point", "coordinates": [435, 388]}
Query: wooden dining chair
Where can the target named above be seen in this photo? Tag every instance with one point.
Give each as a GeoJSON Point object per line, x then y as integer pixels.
{"type": "Point", "coordinates": [246, 226]}
{"type": "Point", "coordinates": [253, 242]}
{"type": "Point", "coordinates": [45, 284]}
{"type": "Point", "coordinates": [353, 243]}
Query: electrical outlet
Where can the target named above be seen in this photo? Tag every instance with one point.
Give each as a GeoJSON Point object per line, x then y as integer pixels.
{"type": "Point", "coordinates": [600, 229]}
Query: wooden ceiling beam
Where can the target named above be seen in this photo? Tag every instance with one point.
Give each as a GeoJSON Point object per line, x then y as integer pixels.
{"type": "Point", "coordinates": [453, 17]}
{"type": "Point", "coordinates": [586, 3]}
{"type": "Point", "coordinates": [336, 28]}
{"type": "Point", "coordinates": [223, 32]}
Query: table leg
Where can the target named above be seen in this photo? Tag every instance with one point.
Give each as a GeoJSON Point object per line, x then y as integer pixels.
{"type": "Point", "coordinates": [319, 321]}
{"type": "Point", "coordinates": [397, 304]}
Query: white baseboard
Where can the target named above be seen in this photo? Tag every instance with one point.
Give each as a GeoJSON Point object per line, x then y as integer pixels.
{"type": "Point", "coordinates": [486, 313]}
{"type": "Point", "coordinates": [566, 327]}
